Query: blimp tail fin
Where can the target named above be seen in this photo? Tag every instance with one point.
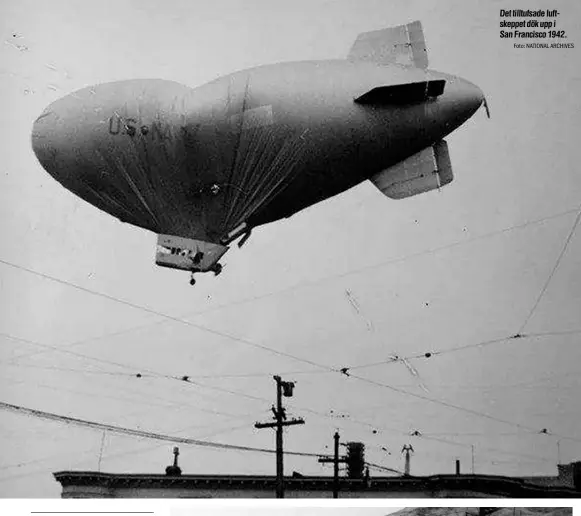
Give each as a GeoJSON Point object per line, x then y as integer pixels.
{"type": "Point", "coordinates": [404, 44]}
{"type": "Point", "coordinates": [429, 169]}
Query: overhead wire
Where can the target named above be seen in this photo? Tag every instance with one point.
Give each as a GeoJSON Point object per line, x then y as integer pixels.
{"type": "Point", "coordinates": [454, 406]}
{"type": "Point", "coordinates": [276, 351]}
{"type": "Point", "coordinates": [140, 433]}
{"type": "Point", "coordinates": [183, 378]}
{"type": "Point", "coordinates": [325, 279]}
{"type": "Point", "coordinates": [160, 314]}
{"type": "Point", "coordinates": [391, 261]}
{"type": "Point", "coordinates": [92, 450]}
{"type": "Point", "coordinates": [177, 378]}
{"type": "Point", "coordinates": [553, 271]}
{"type": "Point", "coordinates": [356, 421]}
{"type": "Point", "coordinates": [219, 376]}
{"type": "Point", "coordinates": [372, 382]}
{"type": "Point", "coordinates": [438, 352]}
{"type": "Point", "coordinates": [351, 420]}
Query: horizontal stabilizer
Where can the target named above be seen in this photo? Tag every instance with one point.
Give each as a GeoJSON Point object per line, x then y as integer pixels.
{"type": "Point", "coordinates": [403, 93]}
{"type": "Point", "coordinates": [427, 170]}
{"type": "Point", "coordinates": [404, 44]}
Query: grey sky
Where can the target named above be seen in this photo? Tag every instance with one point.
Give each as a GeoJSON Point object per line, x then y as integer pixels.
{"type": "Point", "coordinates": [286, 289]}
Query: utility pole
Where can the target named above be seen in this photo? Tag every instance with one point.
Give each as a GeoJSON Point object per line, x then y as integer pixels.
{"type": "Point", "coordinates": [472, 446]}
{"type": "Point", "coordinates": [280, 421]}
{"type": "Point", "coordinates": [335, 460]}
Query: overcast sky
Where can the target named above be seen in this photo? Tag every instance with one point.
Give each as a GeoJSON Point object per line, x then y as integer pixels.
{"type": "Point", "coordinates": [428, 274]}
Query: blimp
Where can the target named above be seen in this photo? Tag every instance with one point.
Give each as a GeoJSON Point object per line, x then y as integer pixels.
{"type": "Point", "coordinates": [201, 167]}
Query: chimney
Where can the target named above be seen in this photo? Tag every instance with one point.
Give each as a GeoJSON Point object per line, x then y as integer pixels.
{"type": "Point", "coordinates": [174, 470]}
{"type": "Point", "coordinates": [355, 460]}
{"type": "Point", "coordinates": [407, 449]}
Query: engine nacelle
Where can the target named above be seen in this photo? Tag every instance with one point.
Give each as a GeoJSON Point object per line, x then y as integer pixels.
{"type": "Point", "coordinates": [427, 170]}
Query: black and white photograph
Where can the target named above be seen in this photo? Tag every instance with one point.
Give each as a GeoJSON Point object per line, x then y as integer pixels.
{"type": "Point", "coordinates": [314, 249]}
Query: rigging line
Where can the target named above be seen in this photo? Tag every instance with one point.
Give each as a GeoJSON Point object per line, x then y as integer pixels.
{"type": "Point", "coordinates": [553, 271]}
{"type": "Point", "coordinates": [300, 285]}
{"type": "Point", "coordinates": [140, 433]}
{"type": "Point", "coordinates": [241, 340]}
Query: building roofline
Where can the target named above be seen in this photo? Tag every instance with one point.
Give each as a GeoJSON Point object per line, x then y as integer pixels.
{"type": "Point", "coordinates": [491, 484]}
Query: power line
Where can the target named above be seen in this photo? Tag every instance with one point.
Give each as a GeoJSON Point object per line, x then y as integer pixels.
{"type": "Point", "coordinates": [92, 450]}
{"type": "Point", "coordinates": [391, 261]}
{"type": "Point", "coordinates": [139, 433]}
{"type": "Point", "coordinates": [369, 381]}
{"type": "Point", "coordinates": [91, 339]}
{"type": "Point", "coordinates": [189, 380]}
{"type": "Point", "coordinates": [219, 376]}
{"type": "Point", "coordinates": [481, 344]}
{"type": "Point", "coordinates": [166, 316]}
{"type": "Point", "coordinates": [451, 405]}
{"type": "Point", "coordinates": [147, 375]}
{"type": "Point", "coordinates": [355, 421]}
{"type": "Point", "coordinates": [252, 344]}
{"type": "Point", "coordinates": [553, 270]}
{"type": "Point", "coordinates": [303, 284]}
{"type": "Point", "coordinates": [427, 354]}
{"type": "Point", "coordinates": [183, 378]}
{"type": "Point", "coordinates": [148, 400]}
{"type": "Point", "coordinates": [429, 437]}
{"type": "Point", "coordinates": [384, 468]}
{"type": "Point", "coordinates": [373, 426]}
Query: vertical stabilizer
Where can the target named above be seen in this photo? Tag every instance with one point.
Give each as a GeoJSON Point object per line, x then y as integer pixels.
{"type": "Point", "coordinates": [404, 44]}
